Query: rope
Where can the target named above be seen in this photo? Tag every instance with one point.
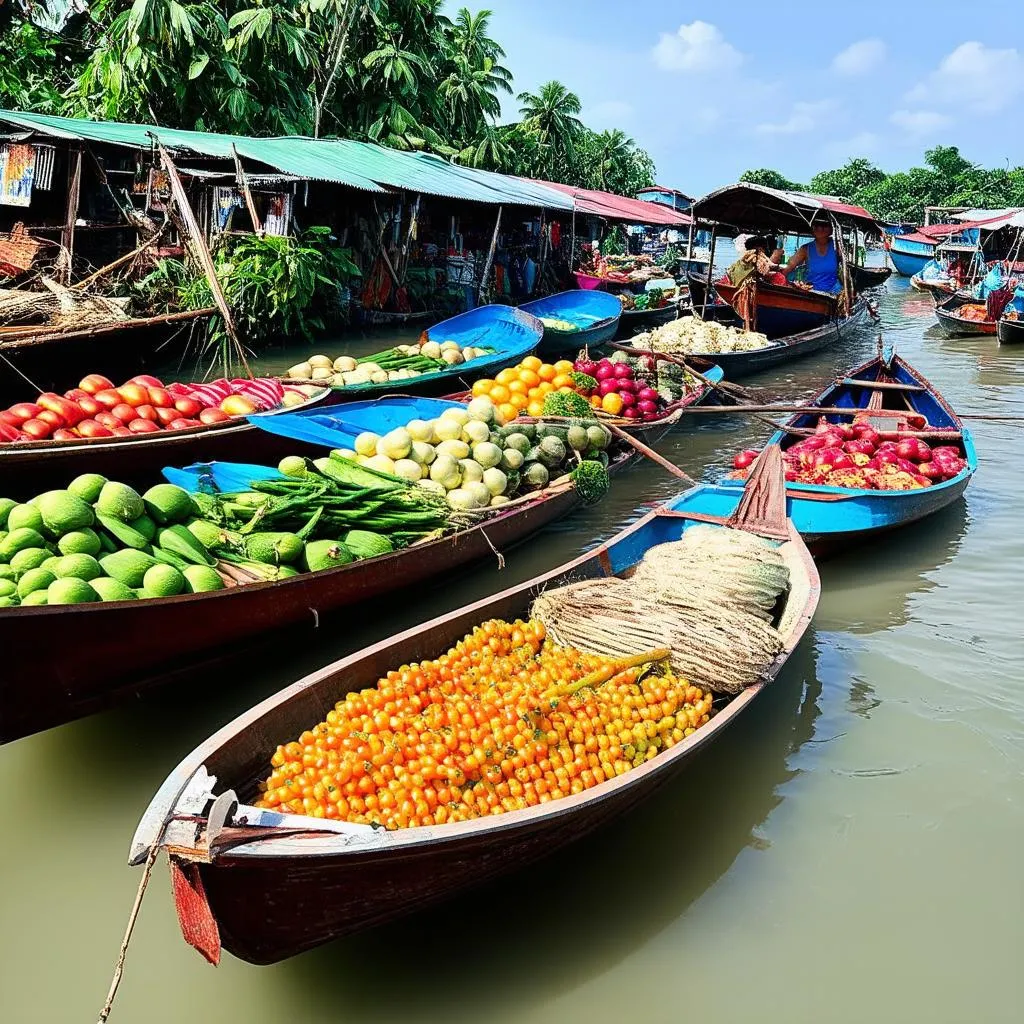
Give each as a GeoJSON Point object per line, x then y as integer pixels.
{"type": "Point", "coordinates": [154, 852]}
{"type": "Point", "coordinates": [38, 389]}
{"type": "Point", "coordinates": [498, 554]}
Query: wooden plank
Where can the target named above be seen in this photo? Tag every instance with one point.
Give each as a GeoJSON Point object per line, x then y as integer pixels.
{"type": "Point", "coordinates": [878, 385]}
{"type": "Point", "coordinates": [243, 185]}
{"type": "Point", "coordinates": [67, 236]}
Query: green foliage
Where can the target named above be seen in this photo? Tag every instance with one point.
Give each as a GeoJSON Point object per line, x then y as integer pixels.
{"type": "Point", "coordinates": [770, 179]}
{"type": "Point", "coordinates": [847, 181]}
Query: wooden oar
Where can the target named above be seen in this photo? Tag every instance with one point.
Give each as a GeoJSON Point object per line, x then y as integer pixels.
{"type": "Point", "coordinates": [649, 453]}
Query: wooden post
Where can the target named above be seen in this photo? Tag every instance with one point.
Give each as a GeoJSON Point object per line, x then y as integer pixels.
{"type": "Point", "coordinates": [67, 237]}
{"type": "Point", "coordinates": [711, 271]}
{"type": "Point", "coordinates": [490, 256]}
{"type": "Point", "coordinates": [243, 186]}
{"type": "Point", "coordinates": [201, 252]}
{"type": "Point", "coordinates": [403, 259]}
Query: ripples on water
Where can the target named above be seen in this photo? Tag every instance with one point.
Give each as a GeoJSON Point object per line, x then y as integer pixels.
{"type": "Point", "coordinates": [848, 851]}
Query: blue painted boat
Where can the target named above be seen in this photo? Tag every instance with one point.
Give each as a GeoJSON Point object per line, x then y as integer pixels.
{"type": "Point", "coordinates": [512, 334]}
{"type": "Point", "coordinates": [830, 518]}
{"type": "Point", "coordinates": [595, 314]}
{"type": "Point", "coordinates": [911, 253]}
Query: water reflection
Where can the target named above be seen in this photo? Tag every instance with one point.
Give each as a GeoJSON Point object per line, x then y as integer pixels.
{"type": "Point", "coordinates": [582, 911]}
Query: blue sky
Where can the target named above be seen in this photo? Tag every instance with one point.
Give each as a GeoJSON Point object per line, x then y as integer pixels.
{"type": "Point", "coordinates": [712, 89]}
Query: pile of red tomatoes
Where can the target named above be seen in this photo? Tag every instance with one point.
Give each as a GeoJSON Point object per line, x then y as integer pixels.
{"type": "Point", "coordinates": [617, 391]}
{"type": "Point", "coordinates": [142, 405]}
{"type": "Point", "coordinates": [854, 455]}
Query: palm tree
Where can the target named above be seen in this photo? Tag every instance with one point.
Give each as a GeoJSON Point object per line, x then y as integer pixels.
{"type": "Point", "coordinates": [470, 39]}
{"type": "Point", "coordinates": [551, 113]}
{"type": "Point", "coordinates": [614, 153]}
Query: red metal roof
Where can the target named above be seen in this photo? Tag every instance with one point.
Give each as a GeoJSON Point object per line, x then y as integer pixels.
{"type": "Point", "coordinates": [933, 231]}
{"type": "Point", "coordinates": [621, 208]}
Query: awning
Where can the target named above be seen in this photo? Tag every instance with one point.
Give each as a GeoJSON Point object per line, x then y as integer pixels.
{"type": "Point", "coordinates": [999, 220]}
{"type": "Point", "coordinates": [618, 208]}
{"type": "Point", "coordinates": [749, 207]}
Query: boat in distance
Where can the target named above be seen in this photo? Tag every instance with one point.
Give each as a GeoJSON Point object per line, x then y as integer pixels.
{"type": "Point", "coordinates": [331, 878]}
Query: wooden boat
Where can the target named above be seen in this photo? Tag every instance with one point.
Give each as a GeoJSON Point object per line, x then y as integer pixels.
{"type": "Point", "coordinates": [910, 253]}
{"type": "Point", "coordinates": [783, 310]}
{"type": "Point", "coordinates": [830, 518]}
{"type": "Point", "coordinates": [634, 320]}
{"type": "Point", "coordinates": [865, 278]}
{"type": "Point", "coordinates": [740, 364]}
{"type": "Point", "coordinates": [31, 467]}
{"type": "Point", "coordinates": [594, 314]}
{"type": "Point", "coordinates": [115, 349]}
{"type": "Point", "coordinates": [109, 652]}
{"type": "Point", "coordinates": [953, 324]}
{"type": "Point", "coordinates": [512, 333]}
{"type": "Point", "coordinates": [331, 878]}
{"type": "Point", "coordinates": [1010, 332]}
{"type": "Point", "coordinates": [942, 286]}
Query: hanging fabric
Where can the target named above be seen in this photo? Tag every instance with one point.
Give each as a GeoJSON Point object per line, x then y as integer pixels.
{"type": "Point", "coordinates": [17, 171]}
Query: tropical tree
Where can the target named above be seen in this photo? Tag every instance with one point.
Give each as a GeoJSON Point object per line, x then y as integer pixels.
{"type": "Point", "coordinates": [847, 181]}
{"type": "Point", "coordinates": [770, 179]}
{"type": "Point", "coordinates": [551, 115]}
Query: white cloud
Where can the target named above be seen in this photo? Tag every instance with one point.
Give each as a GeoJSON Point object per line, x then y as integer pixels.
{"type": "Point", "coordinates": [694, 48]}
{"type": "Point", "coordinates": [919, 122]}
{"type": "Point", "coordinates": [609, 112]}
{"type": "Point", "coordinates": [804, 117]}
{"type": "Point", "coordinates": [859, 58]}
{"type": "Point", "coordinates": [981, 78]}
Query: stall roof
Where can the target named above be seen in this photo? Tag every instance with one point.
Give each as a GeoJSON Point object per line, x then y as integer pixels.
{"type": "Point", "coordinates": [341, 161]}
{"type": "Point", "coordinates": [619, 208]}
{"type": "Point", "coordinates": [995, 221]}
{"type": "Point", "coordinates": [749, 207]}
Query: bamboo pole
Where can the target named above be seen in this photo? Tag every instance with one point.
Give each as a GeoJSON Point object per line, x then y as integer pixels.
{"type": "Point", "coordinates": [490, 256]}
{"type": "Point", "coordinates": [649, 453]}
{"type": "Point", "coordinates": [243, 186]}
{"type": "Point", "coordinates": [67, 237]}
{"type": "Point", "coordinates": [202, 252]}
{"type": "Point", "coordinates": [119, 262]}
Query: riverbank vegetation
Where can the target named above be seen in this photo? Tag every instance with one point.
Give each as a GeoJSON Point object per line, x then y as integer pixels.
{"type": "Point", "coordinates": [946, 179]}
{"type": "Point", "coordinates": [399, 73]}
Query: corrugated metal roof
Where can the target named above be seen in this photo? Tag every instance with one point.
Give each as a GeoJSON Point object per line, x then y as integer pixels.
{"type": "Point", "coordinates": [620, 208]}
{"type": "Point", "coordinates": [357, 164]}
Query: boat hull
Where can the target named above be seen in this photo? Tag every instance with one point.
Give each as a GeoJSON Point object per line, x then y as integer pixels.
{"type": "Point", "coordinates": [908, 264]}
{"type": "Point", "coordinates": [596, 315]}
{"type": "Point", "coordinates": [782, 312]}
{"type": "Point", "coordinates": [326, 884]}
{"type": "Point", "coordinates": [865, 278]}
{"type": "Point", "coordinates": [953, 325]}
{"type": "Point", "coordinates": [110, 652]}
{"type": "Point", "coordinates": [1011, 332]}
{"type": "Point", "coordinates": [740, 364]}
{"type": "Point", "coordinates": [633, 321]}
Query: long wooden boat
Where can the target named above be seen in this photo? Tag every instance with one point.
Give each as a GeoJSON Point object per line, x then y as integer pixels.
{"type": "Point", "coordinates": [741, 364]}
{"type": "Point", "coordinates": [634, 320]}
{"type": "Point", "coordinates": [594, 315]}
{"type": "Point", "coordinates": [706, 304]}
{"type": "Point", "coordinates": [831, 518]}
{"type": "Point", "coordinates": [953, 324]}
{"type": "Point", "coordinates": [783, 310]}
{"type": "Point", "coordinates": [115, 349]}
{"type": "Point", "coordinates": [512, 334]}
{"type": "Point", "coordinates": [34, 466]}
{"type": "Point", "coordinates": [108, 652]}
{"type": "Point", "coordinates": [910, 253]}
{"type": "Point", "coordinates": [1010, 332]}
{"type": "Point", "coordinates": [331, 878]}
{"type": "Point", "coordinates": [865, 278]}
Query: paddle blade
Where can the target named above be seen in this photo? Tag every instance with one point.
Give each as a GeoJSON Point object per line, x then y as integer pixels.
{"type": "Point", "coordinates": [198, 927]}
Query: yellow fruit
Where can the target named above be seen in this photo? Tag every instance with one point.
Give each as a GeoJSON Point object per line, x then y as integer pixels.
{"type": "Point", "coordinates": [535, 408]}
{"type": "Point", "coordinates": [518, 387]}
{"type": "Point", "coordinates": [531, 363]}
{"type": "Point", "coordinates": [564, 366]}
{"type": "Point", "coordinates": [529, 377]}
{"type": "Point", "coordinates": [482, 387]}
{"type": "Point", "coordinates": [546, 371]}
{"type": "Point", "coordinates": [519, 400]}
{"type": "Point", "coordinates": [506, 376]}
{"type": "Point", "coordinates": [508, 411]}
{"type": "Point", "coordinates": [498, 393]}
{"type": "Point", "coordinates": [562, 380]}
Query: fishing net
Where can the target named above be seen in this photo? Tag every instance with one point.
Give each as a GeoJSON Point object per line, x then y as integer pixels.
{"type": "Point", "coordinates": [709, 599]}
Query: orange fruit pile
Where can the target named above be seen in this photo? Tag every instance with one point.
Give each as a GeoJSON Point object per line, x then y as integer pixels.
{"type": "Point", "coordinates": [520, 389]}
{"type": "Point", "coordinates": [476, 732]}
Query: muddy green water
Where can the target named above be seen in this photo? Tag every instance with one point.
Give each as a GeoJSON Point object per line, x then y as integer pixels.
{"type": "Point", "coordinates": [849, 851]}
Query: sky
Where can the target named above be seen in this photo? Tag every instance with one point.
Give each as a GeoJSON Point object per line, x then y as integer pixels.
{"type": "Point", "coordinates": [712, 89]}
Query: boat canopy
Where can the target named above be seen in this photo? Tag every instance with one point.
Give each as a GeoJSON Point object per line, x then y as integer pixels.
{"type": "Point", "coordinates": [749, 207]}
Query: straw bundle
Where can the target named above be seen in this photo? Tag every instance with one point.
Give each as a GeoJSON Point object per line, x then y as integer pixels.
{"type": "Point", "coordinates": [711, 612]}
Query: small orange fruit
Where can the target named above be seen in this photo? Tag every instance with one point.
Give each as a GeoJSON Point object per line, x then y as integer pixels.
{"type": "Point", "coordinates": [546, 371]}
{"type": "Point", "coordinates": [529, 377]}
{"type": "Point", "coordinates": [507, 411]}
{"type": "Point", "coordinates": [564, 366]}
{"type": "Point", "coordinates": [519, 400]}
{"type": "Point", "coordinates": [482, 387]}
{"type": "Point", "coordinates": [612, 403]}
{"type": "Point", "coordinates": [506, 376]}
{"type": "Point", "coordinates": [518, 387]}
{"type": "Point", "coordinates": [531, 363]}
{"type": "Point", "coordinates": [498, 393]}
{"type": "Point", "coordinates": [546, 387]}
{"type": "Point", "coordinates": [535, 408]}
{"type": "Point", "coordinates": [562, 380]}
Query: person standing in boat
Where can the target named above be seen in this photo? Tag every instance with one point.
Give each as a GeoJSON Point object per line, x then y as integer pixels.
{"type": "Point", "coordinates": [820, 257]}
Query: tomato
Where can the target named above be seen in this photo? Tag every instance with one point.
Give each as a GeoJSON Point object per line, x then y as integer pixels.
{"type": "Point", "coordinates": [65, 435]}
{"type": "Point", "coordinates": [188, 406]}
{"type": "Point", "coordinates": [134, 394]}
{"type": "Point", "coordinates": [213, 416]}
{"type": "Point", "coordinates": [108, 398]}
{"type": "Point", "coordinates": [161, 398]}
{"type": "Point", "coordinates": [55, 419]}
{"type": "Point", "coordinates": [37, 429]}
{"type": "Point", "coordinates": [146, 381]}
{"type": "Point", "coordinates": [90, 428]}
{"type": "Point", "coordinates": [146, 412]}
{"type": "Point", "coordinates": [166, 416]}
{"type": "Point", "coordinates": [142, 427]}
{"type": "Point", "coordinates": [95, 383]}
{"type": "Point", "coordinates": [25, 411]}
{"type": "Point", "coordinates": [124, 412]}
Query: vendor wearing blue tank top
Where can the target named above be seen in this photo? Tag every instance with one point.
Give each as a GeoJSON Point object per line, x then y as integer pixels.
{"type": "Point", "coordinates": [821, 258]}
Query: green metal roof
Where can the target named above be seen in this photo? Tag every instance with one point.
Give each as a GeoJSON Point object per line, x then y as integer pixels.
{"type": "Point", "coordinates": [343, 161]}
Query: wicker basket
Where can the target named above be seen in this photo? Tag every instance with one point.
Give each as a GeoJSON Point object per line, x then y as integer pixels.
{"type": "Point", "coordinates": [18, 250]}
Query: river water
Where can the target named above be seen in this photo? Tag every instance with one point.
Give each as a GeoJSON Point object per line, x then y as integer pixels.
{"type": "Point", "coordinates": [847, 852]}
